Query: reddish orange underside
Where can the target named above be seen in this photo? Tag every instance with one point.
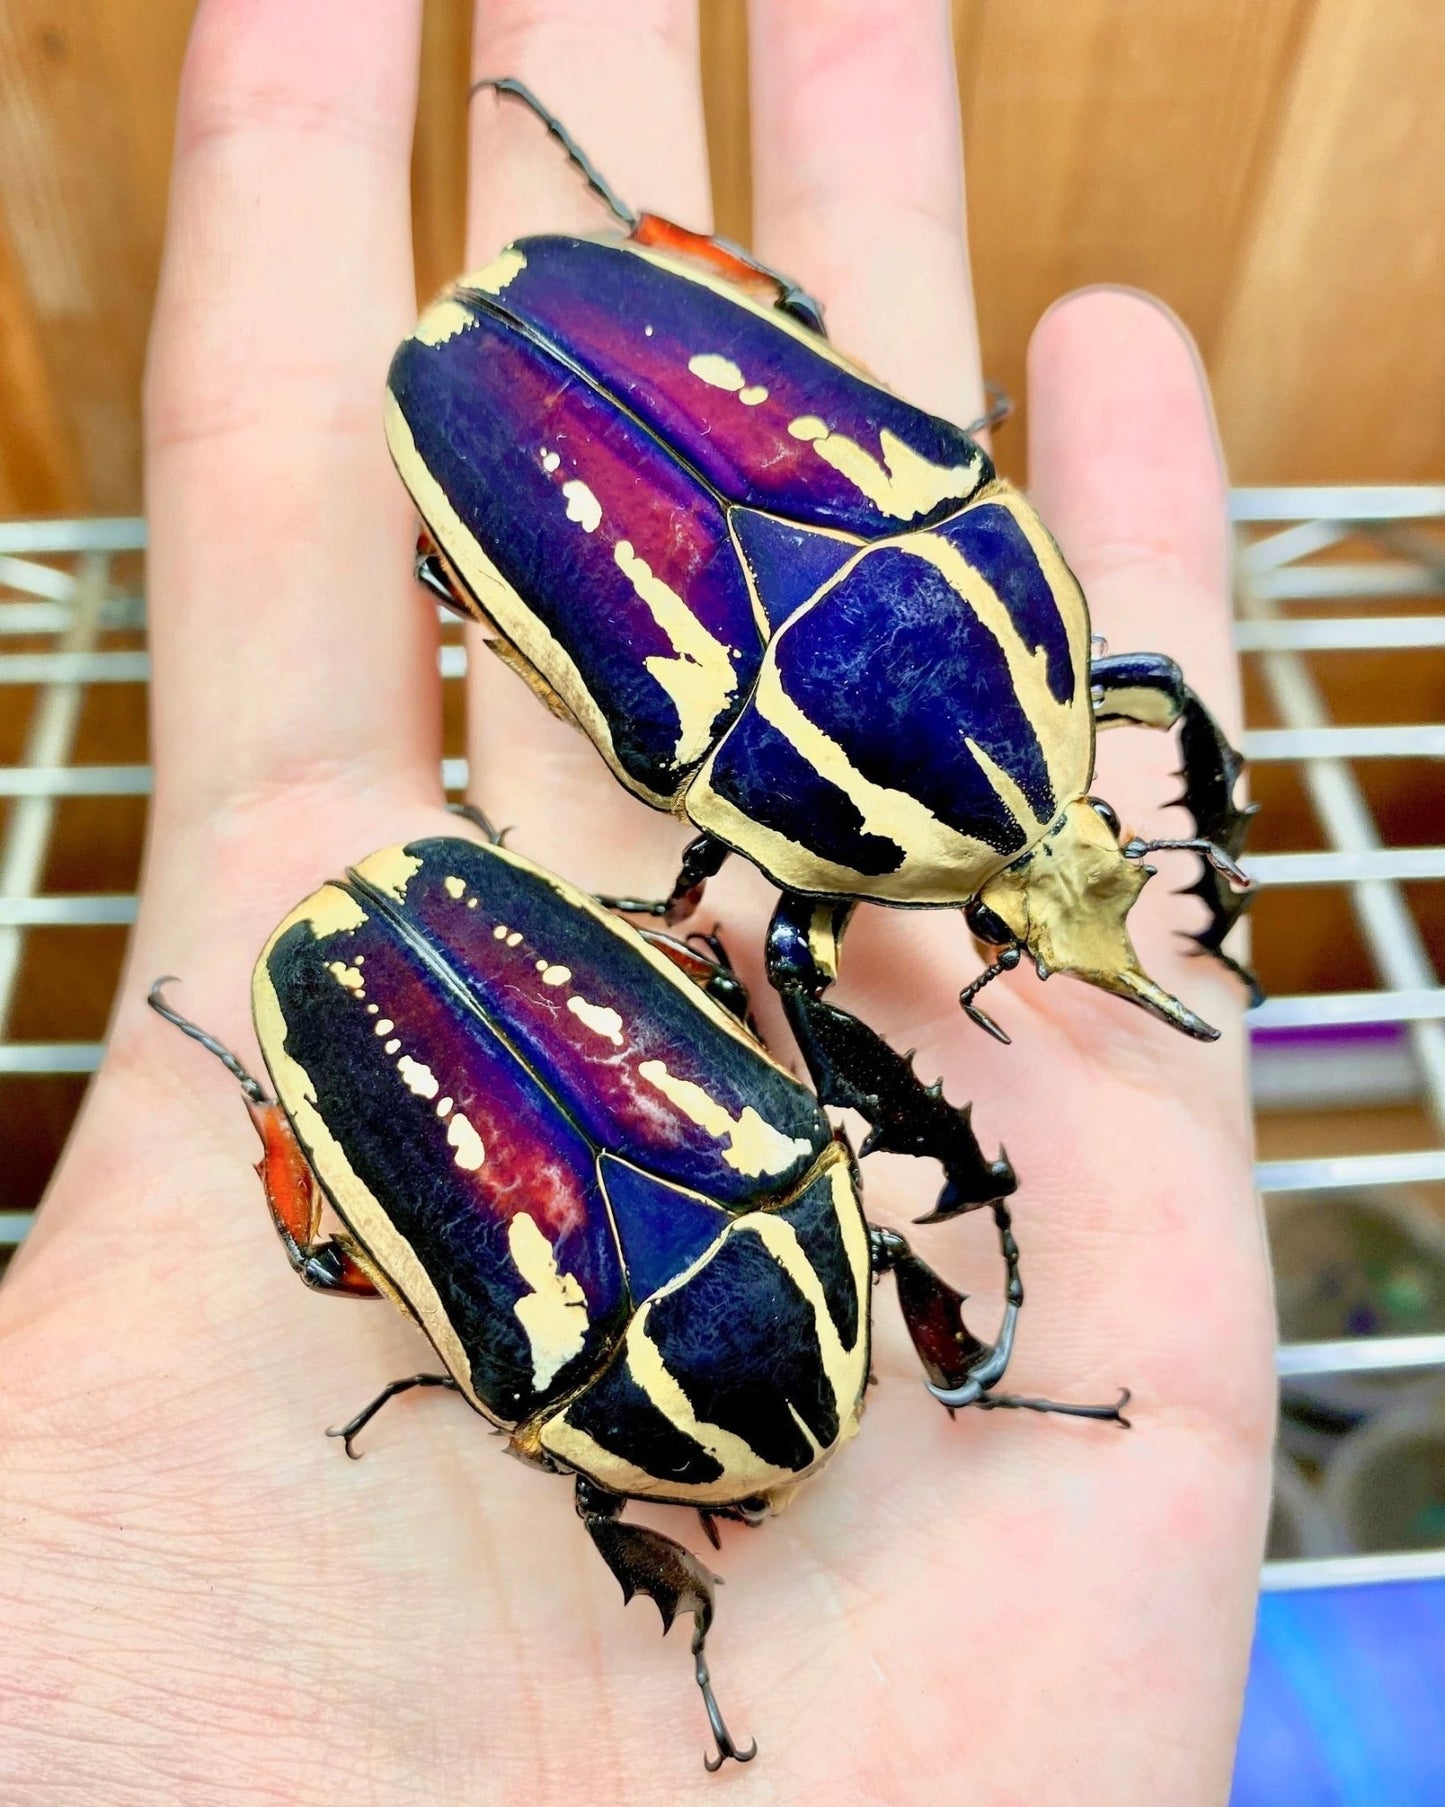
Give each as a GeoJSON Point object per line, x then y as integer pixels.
{"type": "Point", "coordinates": [698, 248]}
{"type": "Point", "coordinates": [294, 1196]}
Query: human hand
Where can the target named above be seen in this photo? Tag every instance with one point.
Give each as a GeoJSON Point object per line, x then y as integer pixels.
{"type": "Point", "coordinates": [201, 1598]}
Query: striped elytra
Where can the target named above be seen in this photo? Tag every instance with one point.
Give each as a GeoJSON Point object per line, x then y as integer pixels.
{"type": "Point", "coordinates": [783, 603]}
{"type": "Point", "coordinates": [593, 1189]}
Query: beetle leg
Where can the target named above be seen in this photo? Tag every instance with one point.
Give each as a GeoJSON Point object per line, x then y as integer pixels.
{"type": "Point", "coordinates": [701, 859]}
{"type": "Point", "coordinates": [364, 1417]}
{"type": "Point", "coordinates": [746, 1512]}
{"type": "Point", "coordinates": [293, 1196]}
{"type": "Point", "coordinates": [712, 973]}
{"type": "Point", "coordinates": [853, 1068]}
{"type": "Point", "coordinates": [1148, 690]}
{"type": "Point", "coordinates": [430, 570]}
{"type": "Point", "coordinates": [332, 1264]}
{"type": "Point", "coordinates": [646, 1562]}
{"type": "Point", "coordinates": [1000, 407]}
{"type": "Point", "coordinates": [960, 1369]}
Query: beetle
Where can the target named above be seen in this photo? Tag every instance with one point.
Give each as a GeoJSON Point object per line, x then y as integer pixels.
{"type": "Point", "coordinates": [634, 1240]}
{"type": "Point", "coordinates": [801, 615]}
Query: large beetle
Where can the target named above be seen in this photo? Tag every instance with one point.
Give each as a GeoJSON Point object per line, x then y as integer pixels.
{"type": "Point", "coordinates": [798, 613]}
{"type": "Point", "coordinates": [634, 1241]}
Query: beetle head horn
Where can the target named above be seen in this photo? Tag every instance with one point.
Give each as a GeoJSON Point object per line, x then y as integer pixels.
{"type": "Point", "coordinates": [1066, 901]}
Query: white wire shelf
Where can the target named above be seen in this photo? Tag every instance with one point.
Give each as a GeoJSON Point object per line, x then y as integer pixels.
{"type": "Point", "coordinates": [58, 584]}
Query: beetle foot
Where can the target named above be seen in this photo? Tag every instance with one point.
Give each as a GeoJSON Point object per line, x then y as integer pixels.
{"type": "Point", "coordinates": [722, 1737]}
{"type": "Point", "coordinates": [348, 1431]}
{"type": "Point", "coordinates": [1018, 1402]}
{"type": "Point", "coordinates": [646, 1562]}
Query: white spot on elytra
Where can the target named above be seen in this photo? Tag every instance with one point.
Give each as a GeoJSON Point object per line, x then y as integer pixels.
{"type": "Point", "coordinates": [391, 1046]}
{"type": "Point", "coordinates": [716, 371]}
{"type": "Point", "coordinates": [554, 1312]}
{"type": "Point", "coordinates": [454, 887]}
{"type": "Point", "coordinates": [554, 975]}
{"type": "Point", "coordinates": [444, 1106]}
{"type": "Point", "coordinates": [901, 482]}
{"type": "Point", "coordinates": [598, 1018]}
{"type": "Point", "coordinates": [417, 1078]}
{"type": "Point", "coordinates": [384, 1026]}
{"type": "Point", "coordinates": [647, 332]}
{"type": "Point", "coordinates": [345, 976]}
{"type": "Point", "coordinates": [699, 677]}
{"type": "Point", "coordinates": [550, 461]}
{"type": "Point", "coordinates": [721, 373]}
{"type": "Point", "coordinates": [500, 932]}
{"type": "Point", "coordinates": [514, 938]}
{"type": "Point", "coordinates": [754, 1146]}
{"type": "Point", "coordinates": [582, 506]}
{"type": "Point", "coordinates": [470, 1152]}
{"type": "Point", "coordinates": [371, 1009]}
{"type": "Point", "coordinates": [472, 903]}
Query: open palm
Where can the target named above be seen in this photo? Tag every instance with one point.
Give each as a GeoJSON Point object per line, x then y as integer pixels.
{"type": "Point", "coordinates": [202, 1599]}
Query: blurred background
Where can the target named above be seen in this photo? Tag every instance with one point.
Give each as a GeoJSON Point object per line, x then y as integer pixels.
{"type": "Point", "coordinates": [1272, 169]}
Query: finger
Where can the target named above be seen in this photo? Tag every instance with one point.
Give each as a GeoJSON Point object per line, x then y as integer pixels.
{"type": "Point", "coordinates": [858, 186]}
{"type": "Point", "coordinates": [287, 644]}
{"type": "Point", "coordinates": [643, 128]}
{"type": "Point", "coordinates": [1125, 466]}
{"type": "Point", "coordinates": [1126, 469]}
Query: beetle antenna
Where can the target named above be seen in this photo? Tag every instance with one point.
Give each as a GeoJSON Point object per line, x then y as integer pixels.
{"type": "Point", "coordinates": [1005, 963]}
{"type": "Point", "coordinates": [252, 1087]}
{"type": "Point", "coordinates": [1215, 855]}
{"type": "Point", "coordinates": [1000, 406]}
{"type": "Point", "coordinates": [576, 156]}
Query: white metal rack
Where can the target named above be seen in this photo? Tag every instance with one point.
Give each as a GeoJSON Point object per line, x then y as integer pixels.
{"type": "Point", "coordinates": [56, 585]}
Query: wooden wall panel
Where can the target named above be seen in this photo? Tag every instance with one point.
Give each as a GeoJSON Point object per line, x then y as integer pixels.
{"type": "Point", "coordinates": [1113, 141]}
{"type": "Point", "coordinates": [85, 99]}
{"type": "Point", "coordinates": [1330, 361]}
{"type": "Point", "coordinates": [1270, 167]}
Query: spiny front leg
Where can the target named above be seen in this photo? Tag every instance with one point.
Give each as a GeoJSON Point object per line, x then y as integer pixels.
{"type": "Point", "coordinates": [1148, 690]}
{"type": "Point", "coordinates": [646, 1562]}
{"type": "Point", "coordinates": [853, 1068]}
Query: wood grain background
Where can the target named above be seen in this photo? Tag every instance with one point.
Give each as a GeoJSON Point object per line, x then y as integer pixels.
{"type": "Point", "coordinates": [1270, 167]}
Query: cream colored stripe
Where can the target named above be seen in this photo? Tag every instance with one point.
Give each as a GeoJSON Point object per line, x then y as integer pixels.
{"type": "Point", "coordinates": [1140, 703]}
{"type": "Point", "coordinates": [843, 1366]}
{"type": "Point", "coordinates": [358, 1208]}
{"type": "Point", "coordinates": [584, 1454]}
{"type": "Point", "coordinates": [500, 601]}
{"type": "Point", "coordinates": [1061, 728]}
{"type": "Point", "coordinates": [691, 272]}
{"type": "Point", "coordinates": [650, 1371]}
{"type": "Point", "coordinates": [885, 811]}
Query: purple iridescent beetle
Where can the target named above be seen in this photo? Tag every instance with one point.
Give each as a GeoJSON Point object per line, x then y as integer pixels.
{"type": "Point", "coordinates": [800, 614]}
{"type": "Point", "coordinates": [636, 1243]}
